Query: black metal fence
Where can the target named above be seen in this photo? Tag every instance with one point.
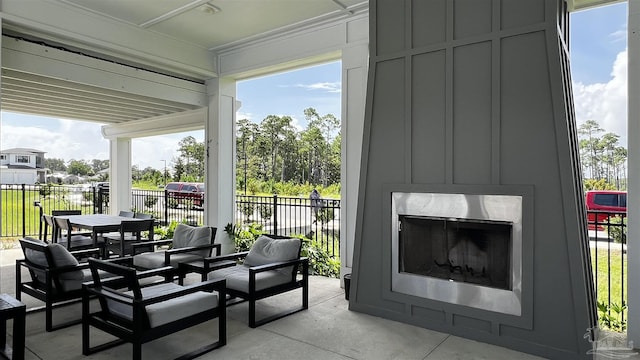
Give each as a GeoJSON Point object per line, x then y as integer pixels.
{"type": "Point", "coordinates": [608, 244]}
{"type": "Point", "coordinates": [316, 219]}
{"type": "Point", "coordinates": [319, 220]}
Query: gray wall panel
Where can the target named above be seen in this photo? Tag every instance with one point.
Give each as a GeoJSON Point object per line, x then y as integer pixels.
{"type": "Point", "coordinates": [521, 13]}
{"type": "Point", "coordinates": [472, 142]}
{"type": "Point", "coordinates": [428, 117]}
{"type": "Point", "coordinates": [428, 27]}
{"type": "Point", "coordinates": [393, 19]}
{"type": "Point", "coordinates": [471, 18]}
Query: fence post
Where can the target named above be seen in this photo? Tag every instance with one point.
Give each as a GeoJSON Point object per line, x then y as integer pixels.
{"type": "Point", "coordinates": [275, 214]}
{"type": "Point", "coordinates": [166, 208]}
{"type": "Point", "coordinates": [24, 212]}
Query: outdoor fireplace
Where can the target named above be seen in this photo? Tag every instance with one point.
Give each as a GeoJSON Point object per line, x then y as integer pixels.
{"type": "Point", "coordinates": [463, 249]}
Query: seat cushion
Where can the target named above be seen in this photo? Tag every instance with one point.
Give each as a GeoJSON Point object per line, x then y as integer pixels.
{"type": "Point", "coordinates": [154, 260]}
{"type": "Point", "coordinates": [238, 278]}
{"type": "Point", "coordinates": [186, 236]}
{"type": "Point", "coordinates": [74, 282]}
{"type": "Point", "coordinates": [169, 310]}
{"type": "Point", "coordinates": [266, 250]}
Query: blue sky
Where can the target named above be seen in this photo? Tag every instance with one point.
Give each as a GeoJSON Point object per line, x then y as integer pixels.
{"type": "Point", "coordinates": [598, 62]}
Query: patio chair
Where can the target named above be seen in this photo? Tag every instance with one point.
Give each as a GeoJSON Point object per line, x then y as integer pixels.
{"type": "Point", "coordinates": [56, 276]}
{"type": "Point", "coordinates": [126, 213]}
{"type": "Point", "coordinates": [119, 243]}
{"type": "Point", "coordinates": [75, 241]}
{"type": "Point", "coordinates": [142, 216]}
{"type": "Point", "coordinates": [140, 314]}
{"type": "Point", "coordinates": [270, 267]}
{"type": "Point", "coordinates": [189, 243]}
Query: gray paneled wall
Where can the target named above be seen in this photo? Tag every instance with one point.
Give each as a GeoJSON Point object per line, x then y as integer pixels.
{"type": "Point", "coordinates": [472, 94]}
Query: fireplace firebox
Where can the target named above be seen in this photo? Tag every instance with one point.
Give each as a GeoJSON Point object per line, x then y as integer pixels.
{"type": "Point", "coordinates": [462, 250]}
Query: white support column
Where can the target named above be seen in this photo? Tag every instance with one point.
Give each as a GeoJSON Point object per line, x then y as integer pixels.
{"type": "Point", "coordinates": [220, 157]}
{"type": "Point", "coordinates": [354, 89]}
{"type": "Point", "coordinates": [119, 175]}
{"type": "Point", "coordinates": [633, 188]}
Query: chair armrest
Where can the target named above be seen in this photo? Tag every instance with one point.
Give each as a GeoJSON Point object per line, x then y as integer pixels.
{"type": "Point", "coordinates": [154, 272]}
{"type": "Point", "coordinates": [209, 286]}
{"type": "Point", "coordinates": [85, 253]}
{"type": "Point", "coordinates": [234, 256]}
{"type": "Point", "coordinates": [137, 245]}
{"type": "Point", "coordinates": [278, 265]}
{"type": "Point", "coordinates": [192, 248]}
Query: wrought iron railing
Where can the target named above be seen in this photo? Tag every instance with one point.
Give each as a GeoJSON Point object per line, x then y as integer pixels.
{"type": "Point", "coordinates": [608, 244]}
{"type": "Point", "coordinates": [281, 215]}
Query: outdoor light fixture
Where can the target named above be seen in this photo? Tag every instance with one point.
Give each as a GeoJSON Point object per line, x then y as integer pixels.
{"type": "Point", "coordinates": [209, 9]}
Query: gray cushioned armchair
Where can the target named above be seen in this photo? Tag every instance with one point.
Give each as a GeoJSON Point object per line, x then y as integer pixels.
{"type": "Point", "coordinates": [138, 314]}
{"type": "Point", "coordinates": [272, 266]}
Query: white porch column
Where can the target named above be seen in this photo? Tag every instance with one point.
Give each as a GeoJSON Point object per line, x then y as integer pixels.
{"type": "Point", "coordinates": [633, 188]}
{"type": "Point", "coordinates": [220, 157]}
{"type": "Point", "coordinates": [354, 89]}
{"type": "Point", "coordinates": [119, 174]}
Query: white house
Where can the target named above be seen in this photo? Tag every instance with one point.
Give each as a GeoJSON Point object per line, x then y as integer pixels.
{"type": "Point", "coordinates": [22, 166]}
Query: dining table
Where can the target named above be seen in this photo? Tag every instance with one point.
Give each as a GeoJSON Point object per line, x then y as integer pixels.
{"type": "Point", "coordinates": [97, 223]}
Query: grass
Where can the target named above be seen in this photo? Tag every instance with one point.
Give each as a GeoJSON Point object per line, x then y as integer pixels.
{"type": "Point", "coordinates": [610, 274]}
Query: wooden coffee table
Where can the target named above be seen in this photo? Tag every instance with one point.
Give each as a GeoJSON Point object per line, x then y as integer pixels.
{"type": "Point", "coordinates": [10, 308]}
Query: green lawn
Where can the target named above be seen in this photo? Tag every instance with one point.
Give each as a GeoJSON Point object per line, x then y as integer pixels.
{"type": "Point", "coordinates": [610, 273]}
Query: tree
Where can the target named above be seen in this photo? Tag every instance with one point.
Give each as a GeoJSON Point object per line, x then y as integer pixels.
{"type": "Point", "coordinates": [327, 125]}
{"type": "Point", "coordinates": [190, 164]}
{"type": "Point", "coordinates": [54, 164]}
{"type": "Point", "coordinates": [591, 145]}
{"type": "Point", "coordinates": [79, 167]}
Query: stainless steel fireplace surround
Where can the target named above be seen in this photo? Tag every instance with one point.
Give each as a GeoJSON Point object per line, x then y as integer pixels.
{"type": "Point", "coordinates": [502, 208]}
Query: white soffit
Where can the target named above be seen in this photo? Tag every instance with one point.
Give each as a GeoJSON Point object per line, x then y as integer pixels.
{"type": "Point", "coordinates": [576, 5]}
{"type": "Point", "coordinates": [42, 80]}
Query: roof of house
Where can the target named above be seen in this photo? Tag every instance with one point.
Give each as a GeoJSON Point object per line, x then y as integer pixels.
{"type": "Point", "coordinates": [22, 150]}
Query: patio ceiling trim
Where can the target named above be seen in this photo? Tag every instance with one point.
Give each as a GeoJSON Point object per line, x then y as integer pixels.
{"type": "Point", "coordinates": [576, 5]}
{"type": "Point", "coordinates": [48, 81]}
{"type": "Point", "coordinates": [159, 125]}
{"type": "Point", "coordinates": [105, 37]}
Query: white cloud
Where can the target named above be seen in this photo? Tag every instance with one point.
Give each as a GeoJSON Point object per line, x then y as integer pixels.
{"type": "Point", "coordinates": [606, 103]}
{"type": "Point", "coordinates": [73, 140]}
{"type": "Point", "coordinates": [330, 87]}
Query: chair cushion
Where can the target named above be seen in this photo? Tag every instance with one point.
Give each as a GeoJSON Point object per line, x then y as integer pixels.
{"type": "Point", "coordinates": [266, 250]}
{"type": "Point", "coordinates": [170, 310]}
{"type": "Point", "coordinates": [185, 236]}
{"type": "Point", "coordinates": [35, 256]}
{"type": "Point", "coordinates": [74, 282]}
{"type": "Point", "coordinates": [238, 278]}
{"type": "Point", "coordinates": [154, 260]}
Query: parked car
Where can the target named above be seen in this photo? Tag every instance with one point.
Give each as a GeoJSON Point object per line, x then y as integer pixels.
{"type": "Point", "coordinates": [185, 193]}
{"type": "Point", "coordinates": [607, 202]}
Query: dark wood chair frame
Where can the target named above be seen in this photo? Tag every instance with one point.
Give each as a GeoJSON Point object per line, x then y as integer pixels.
{"type": "Point", "coordinates": [65, 224]}
{"type": "Point", "coordinates": [137, 331]}
{"type": "Point", "coordinates": [47, 291]}
{"type": "Point", "coordinates": [300, 266]}
{"type": "Point", "coordinates": [146, 246]}
{"type": "Point", "coordinates": [132, 228]}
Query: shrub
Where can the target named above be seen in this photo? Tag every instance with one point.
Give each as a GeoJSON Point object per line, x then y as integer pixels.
{"type": "Point", "coordinates": [247, 209]}
{"type": "Point", "coordinates": [243, 236]}
{"type": "Point", "coordinates": [150, 201]}
{"type": "Point", "coordinates": [265, 211]}
{"type": "Point", "coordinates": [612, 316]}
{"type": "Point", "coordinates": [324, 215]}
{"type": "Point", "coordinates": [618, 232]}
{"type": "Point", "coordinates": [320, 262]}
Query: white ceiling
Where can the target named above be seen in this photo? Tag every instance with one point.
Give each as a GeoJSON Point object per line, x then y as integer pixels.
{"type": "Point", "coordinates": [44, 70]}
{"type": "Point", "coordinates": [236, 21]}
{"type": "Point", "coordinates": [184, 33]}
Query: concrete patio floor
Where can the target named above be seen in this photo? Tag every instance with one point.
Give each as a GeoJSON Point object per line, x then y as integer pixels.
{"type": "Point", "coordinates": [327, 330]}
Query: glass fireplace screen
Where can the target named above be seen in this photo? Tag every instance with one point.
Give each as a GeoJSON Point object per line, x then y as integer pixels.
{"type": "Point", "coordinates": [461, 250]}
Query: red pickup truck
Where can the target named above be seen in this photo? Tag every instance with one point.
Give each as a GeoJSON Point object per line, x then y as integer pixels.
{"type": "Point", "coordinates": [185, 193]}
{"type": "Point", "coordinates": [606, 201]}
